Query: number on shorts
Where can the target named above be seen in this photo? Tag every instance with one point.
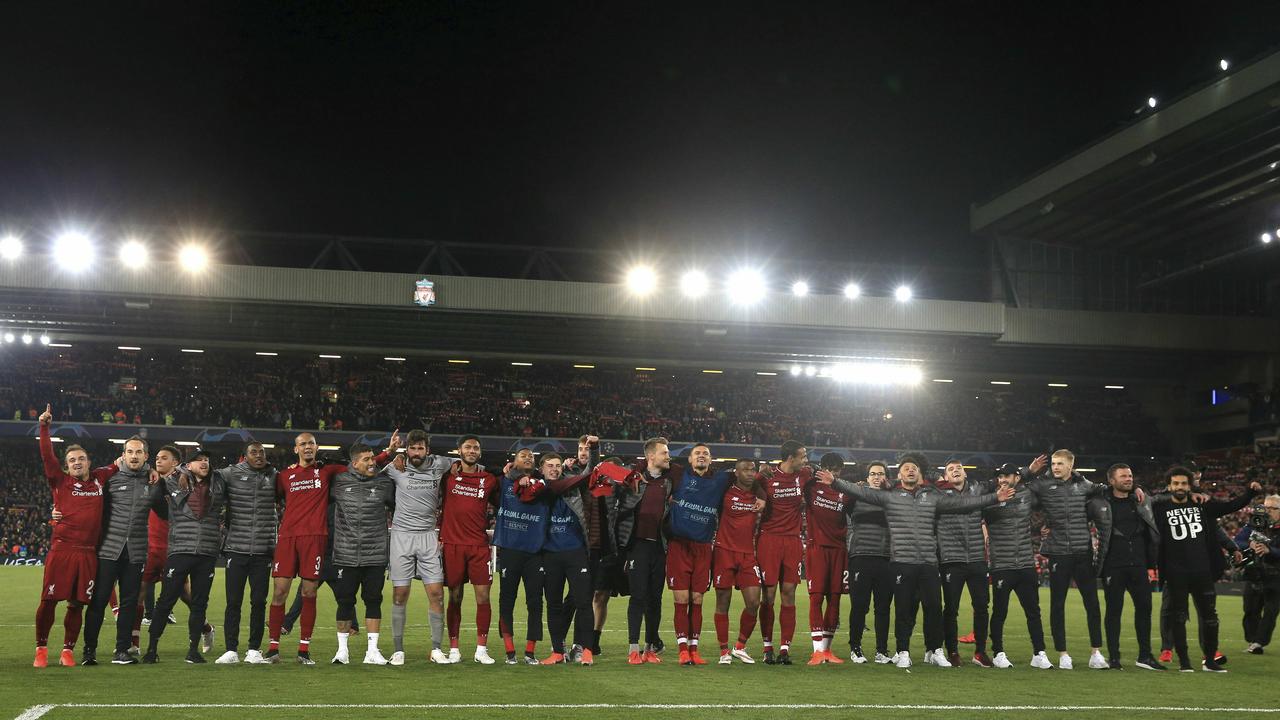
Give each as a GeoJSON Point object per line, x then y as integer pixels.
{"type": "Point", "coordinates": [89, 590]}
{"type": "Point", "coordinates": [319, 558]}
{"type": "Point", "coordinates": [845, 577]}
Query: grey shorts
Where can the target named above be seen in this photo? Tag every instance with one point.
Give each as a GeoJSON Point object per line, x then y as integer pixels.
{"type": "Point", "coordinates": [415, 556]}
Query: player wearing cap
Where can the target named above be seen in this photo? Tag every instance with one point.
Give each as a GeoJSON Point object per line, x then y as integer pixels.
{"type": "Point", "coordinates": [72, 562]}
{"type": "Point", "coordinates": [194, 503]}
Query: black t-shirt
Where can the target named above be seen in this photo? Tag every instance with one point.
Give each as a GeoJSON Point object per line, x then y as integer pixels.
{"type": "Point", "coordinates": [1128, 546]}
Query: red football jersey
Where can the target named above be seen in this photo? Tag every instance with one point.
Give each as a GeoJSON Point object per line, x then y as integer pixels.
{"type": "Point", "coordinates": [825, 516]}
{"type": "Point", "coordinates": [737, 530]}
{"type": "Point", "coordinates": [464, 512]}
{"type": "Point", "coordinates": [79, 501]}
{"type": "Point", "coordinates": [306, 498]}
{"type": "Point", "coordinates": [784, 493]}
{"type": "Point", "coordinates": [157, 534]}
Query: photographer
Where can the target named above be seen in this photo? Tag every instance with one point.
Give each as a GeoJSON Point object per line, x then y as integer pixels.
{"type": "Point", "coordinates": [1259, 540]}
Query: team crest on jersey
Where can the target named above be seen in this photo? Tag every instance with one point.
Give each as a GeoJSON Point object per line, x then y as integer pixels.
{"type": "Point", "coordinates": [51, 587]}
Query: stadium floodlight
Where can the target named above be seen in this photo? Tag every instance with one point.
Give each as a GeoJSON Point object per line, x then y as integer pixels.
{"type": "Point", "coordinates": [877, 373]}
{"type": "Point", "coordinates": [10, 247]}
{"type": "Point", "coordinates": [1224, 64]}
{"type": "Point", "coordinates": [195, 351]}
{"type": "Point", "coordinates": [1001, 382]}
{"type": "Point", "coordinates": [810, 371]}
{"type": "Point", "coordinates": [27, 339]}
{"type": "Point", "coordinates": [693, 284]}
{"type": "Point", "coordinates": [327, 356]}
{"type": "Point", "coordinates": [45, 339]}
{"type": "Point", "coordinates": [1112, 387]}
{"type": "Point", "coordinates": [193, 258]}
{"type": "Point", "coordinates": [1058, 385]}
{"type": "Point", "coordinates": [746, 287]}
{"type": "Point", "coordinates": [852, 291]}
{"type": "Point", "coordinates": [902, 293]}
{"type": "Point", "coordinates": [8, 337]}
{"type": "Point", "coordinates": [1152, 102]}
{"type": "Point", "coordinates": [795, 369]}
{"type": "Point", "coordinates": [262, 353]}
{"type": "Point", "coordinates": [943, 380]}
{"type": "Point", "coordinates": [133, 254]}
{"type": "Point", "coordinates": [800, 288]}
{"type": "Point", "coordinates": [641, 280]}
{"type": "Point", "coordinates": [394, 359]}
{"type": "Point", "coordinates": [73, 251]}
{"type": "Point", "coordinates": [1265, 238]}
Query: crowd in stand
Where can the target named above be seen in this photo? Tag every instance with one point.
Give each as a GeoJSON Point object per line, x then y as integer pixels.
{"type": "Point", "coordinates": [239, 389]}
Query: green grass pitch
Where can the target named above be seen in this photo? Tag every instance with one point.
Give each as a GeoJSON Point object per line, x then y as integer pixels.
{"type": "Point", "coordinates": [613, 688]}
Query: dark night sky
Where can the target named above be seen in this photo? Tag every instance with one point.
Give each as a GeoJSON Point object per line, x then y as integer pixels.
{"type": "Point", "coordinates": [864, 129]}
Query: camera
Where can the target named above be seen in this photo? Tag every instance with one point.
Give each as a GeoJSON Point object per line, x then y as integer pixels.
{"type": "Point", "coordinates": [1259, 518]}
{"type": "Point", "coordinates": [1250, 562]}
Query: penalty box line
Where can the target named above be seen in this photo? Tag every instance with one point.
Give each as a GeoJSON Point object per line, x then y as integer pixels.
{"type": "Point", "coordinates": [37, 711]}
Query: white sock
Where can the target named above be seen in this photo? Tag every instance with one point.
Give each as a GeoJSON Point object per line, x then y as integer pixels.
{"type": "Point", "coordinates": [635, 647]}
{"type": "Point", "coordinates": [373, 641]}
{"type": "Point", "coordinates": [817, 644]}
{"type": "Point", "coordinates": [826, 641]}
{"type": "Point", "coordinates": [342, 641]}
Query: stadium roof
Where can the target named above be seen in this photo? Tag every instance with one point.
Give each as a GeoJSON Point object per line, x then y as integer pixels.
{"type": "Point", "coordinates": [1202, 170]}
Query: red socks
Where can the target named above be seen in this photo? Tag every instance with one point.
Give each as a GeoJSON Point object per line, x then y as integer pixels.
{"type": "Point", "coordinates": [308, 623]}
{"type": "Point", "coordinates": [44, 621]}
{"type": "Point", "coordinates": [695, 624]}
{"type": "Point", "coordinates": [71, 621]}
{"type": "Point", "coordinates": [746, 623]}
{"type": "Point", "coordinates": [508, 642]}
{"type": "Point", "coordinates": [787, 619]}
{"type": "Point", "coordinates": [831, 620]}
{"type": "Point", "coordinates": [682, 626]}
{"type": "Point", "coordinates": [815, 613]}
{"type": "Point", "coordinates": [275, 620]}
{"type": "Point", "coordinates": [722, 630]}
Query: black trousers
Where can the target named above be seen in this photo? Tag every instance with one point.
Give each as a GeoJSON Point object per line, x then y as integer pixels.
{"type": "Point", "coordinates": [516, 568]}
{"type": "Point", "coordinates": [1261, 606]}
{"type": "Point", "coordinates": [646, 573]}
{"type": "Point", "coordinates": [1204, 595]}
{"type": "Point", "coordinates": [573, 567]}
{"type": "Point", "coordinates": [126, 575]}
{"type": "Point", "coordinates": [1062, 570]}
{"type": "Point", "coordinates": [955, 576]}
{"type": "Point", "coordinates": [256, 571]}
{"type": "Point", "coordinates": [869, 579]}
{"type": "Point", "coordinates": [1115, 583]}
{"type": "Point", "coordinates": [177, 569]}
{"type": "Point", "coordinates": [367, 580]}
{"type": "Point", "coordinates": [915, 587]}
{"type": "Point", "coordinates": [1026, 585]}
{"type": "Point", "coordinates": [295, 608]}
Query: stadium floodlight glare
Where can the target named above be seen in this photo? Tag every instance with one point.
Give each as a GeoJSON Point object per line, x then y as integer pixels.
{"type": "Point", "coordinates": [1112, 387]}
{"type": "Point", "coordinates": [128, 347]}
{"type": "Point", "coordinates": [1152, 102]}
{"type": "Point", "coordinates": [522, 364]}
{"type": "Point", "coordinates": [800, 288]}
{"type": "Point", "coordinates": [852, 291]}
{"type": "Point", "coordinates": [133, 254]}
{"type": "Point", "coordinates": [943, 380]}
{"type": "Point", "coordinates": [73, 251]}
{"type": "Point", "coordinates": [261, 353]}
{"type": "Point", "coordinates": [693, 284]}
{"type": "Point", "coordinates": [27, 339]}
{"type": "Point", "coordinates": [192, 350]}
{"type": "Point", "coordinates": [766, 373]}
{"type": "Point", "coordinates": [193, 258]}
{"type": "Point", "coordinates": [45, 340]}
{"type": "Point", "coordinates": [1266, 238]}
{"type": "Point", "coordinates": [641, 280]}
{"type": "Point", "coordinates": [584, 366]}
{"type": "Point", "coordinates": [8, 337]}
{"type": "Point", "coordinates": [746, 287]}
{"type": "Point", "coordinates": [331, 357]}
{"type": "Point", "coordinates": [59, 345]}
{"type": "Point", "coordinates": [1224, 64]}
{"type": "Point", "coordinates": [10, 247]}
{"type": "Point", "coordinates": [876, 373]}
{"type": "Point", "coordinates": [902, 293]}
{"type": "Point", "coordinates": [810, 371]}
{"type": "Point", "coordinates": [1001, 382]}
{"type": "Point", "coordinates": [394, 359]}
{"type": "Point", "coordinates": [795, 369]}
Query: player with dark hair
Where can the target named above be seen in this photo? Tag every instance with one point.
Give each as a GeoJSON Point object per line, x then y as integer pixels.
{"type": "Point", "coordinates": [72, 562]}
{"type": "Point", "coordinates": [565, 559]}
{"type": "Point", "coordinates": [869, 579]}
{"type": "Point", "coordinates": [519, 534]}
{"type": "Point", "coordinates": [639, 511]}
{"type": "Point", "coordinates": [360, 498]}
{"type": "Point", "coordinates": [779, 547]}
{"type": "Point", "coordinates": [1190, 562]}
{"type": "Point", "coordinates": [250, 543]}
{"type": "Point", "coordinates": [1013, 566]}
{"type": "Point", "coordinates": [963, 562]}
{"type": "Point", "coordinates": [300, 549]}
{"type": "Point", "coordinates": [469, 492]}
{"type": "Point", "coordinates": [827, 566]}
{"type": "Point", "coordinates": [733, 562]}
{"type": "Point", "coordinates": [195, 500]}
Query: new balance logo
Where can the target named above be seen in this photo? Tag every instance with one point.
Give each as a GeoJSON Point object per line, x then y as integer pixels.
{"type": "Point", "coordinates": [898, 581]}
{"type": "Point", "coordinates": [948, 578]}
{"type": "Point", "coordinates": [999, 583]}
{"type": "Point", "coordinates": [340, 573]}
{"type": "Point", "coordinates": [855, 575]}
{"type": "Point", "coordinates": [170, 573]}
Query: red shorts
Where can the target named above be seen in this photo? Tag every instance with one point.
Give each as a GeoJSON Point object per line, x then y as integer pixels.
{"type": "Point", "coordinates": [154, 569]}
{"type": "Point", "coordinates": [69, 574]}
{"type": "Point", "coordinates": [467, 563]}
{"type": "Point", "coordinates": [828, 569]}
{"type": "Point", "coordinates": [299, 556]}
{"type": "Point", "coordinates": [781, 559]}
{"type": "Point", "coordinates": [688, 565]}
{"type": "Point", "coordinates": [735, 569]}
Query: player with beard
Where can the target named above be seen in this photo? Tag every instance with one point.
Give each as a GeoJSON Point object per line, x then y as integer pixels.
{"type": "Point", "coordinates": [780, 548]}
{"type": "Point", "coordinates": [639, 509]}
{"type": "Point", "coordinates": [250, 543]}
{"type": "Point", "coordinates": [827, 567]}
{"type": "Point", "coordinates": [1013, 566]}
{"type": "Point", "coordinates": [733, 560]}
{"type": "Point", "coordinates": [1188, 546]}
{"type": "Point", "coordinates": [300, 550]}
{"type": "Point", "coordinates": [469, 492]}
{"type": "Point", "coordinates": [72, 563]}
{"type": "Point", "coordinates": [963, 555]}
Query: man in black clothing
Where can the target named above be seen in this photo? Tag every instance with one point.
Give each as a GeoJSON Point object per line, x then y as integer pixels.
{"type": "Point", "coordinates": [1190, 562]}
{"type": "Point", "coordinates": [1128, 547]}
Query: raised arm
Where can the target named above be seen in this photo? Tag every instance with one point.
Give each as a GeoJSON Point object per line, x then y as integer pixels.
{"type": "Point", "coordinates": [1239, 502]}
{"type": "Point", "coordinates": [565, 483]}
{"type": "Point", "coordinates": [860, 493]}
{"type": "Point", "coordinates": [52, 468]}
{"type": "Point", "coordinates": [951, 504]}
